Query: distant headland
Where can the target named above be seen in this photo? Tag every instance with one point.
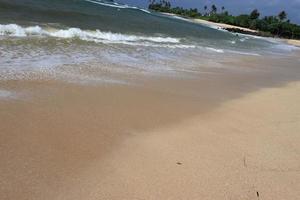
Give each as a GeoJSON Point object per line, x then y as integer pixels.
{"type": "Point", "coordinates": [269, 26]}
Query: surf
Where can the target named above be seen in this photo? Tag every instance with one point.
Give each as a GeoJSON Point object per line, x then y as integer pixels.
{"type": "Point", "coordinates": [14, 30]}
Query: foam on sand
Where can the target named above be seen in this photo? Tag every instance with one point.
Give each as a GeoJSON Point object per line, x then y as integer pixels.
{"type": "Point", "coordinates": [117, 5]}
{"type": "Point", "coordinates": [6, 94]}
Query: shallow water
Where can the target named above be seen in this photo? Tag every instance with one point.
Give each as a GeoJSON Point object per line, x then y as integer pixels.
{"type": "Point", "coordinates": [91, 40]}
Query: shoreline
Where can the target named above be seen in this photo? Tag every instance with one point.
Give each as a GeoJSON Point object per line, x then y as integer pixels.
{"type": "Point", "coordinates": [293, 42]}
{"type": "Point", "coordinates": [228, 27]}
{"type": "Point", "coordinates": [222, 26]}
{"type": "Point", "coordinates": [212, 24]}
{"type": "Point", "coordinates": [163, 139]}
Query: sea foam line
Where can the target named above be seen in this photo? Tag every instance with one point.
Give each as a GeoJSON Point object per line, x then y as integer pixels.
{"type": "Point", "coordinates": [87, 35]}
{"type": "Point", "coordinates": [6, 94]}
{"type": "Point", "coordinates": [116, 5]}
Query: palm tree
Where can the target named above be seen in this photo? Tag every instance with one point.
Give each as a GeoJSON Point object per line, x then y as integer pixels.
{"type": "Point", "coordinates": [282, 15]}
{"type": "Point", "coordinates": [214, 9]}
{"type": "Point", "coordinates": [254, 14]}
{"type": "Point", "coordinates": [223, 8]}
{"type": "Point", "coordinates": [151, 1]}
{"type": "Point", "coordinates": [205, 10]}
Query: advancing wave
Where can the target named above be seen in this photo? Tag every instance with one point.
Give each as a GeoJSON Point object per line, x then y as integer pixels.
{"type": "Point", "coordinates": [215, 50]}
{"type": "Point", "coordinates": [116, 5]}
{"type": "Point", "coordinates": [15, 30]}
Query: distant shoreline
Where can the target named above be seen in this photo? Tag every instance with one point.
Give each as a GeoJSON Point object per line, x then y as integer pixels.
{"type": "Point", "coordinates": [293, 42]}
{"type": "Point", "coordinates": [232, 28]}
{"type": "Point", "coordinates": [213, 24]}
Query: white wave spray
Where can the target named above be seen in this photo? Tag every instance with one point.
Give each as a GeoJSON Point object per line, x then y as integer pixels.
{"type": "Point", "coordinates": [116, 5]}
{"type": "Point", "coordinates": [14, 30]}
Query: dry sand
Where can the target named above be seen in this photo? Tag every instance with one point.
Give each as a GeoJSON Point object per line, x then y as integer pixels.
{"type": "Point", "coordinates": [246, 149]}
{"type": "Point", "coordinates": [221, 25]}
{"type": "Point", "coordinates": [294, 42]}
{"type": "Point", "coordinates": [67, 147]}
{"type": "Point", "coordinates": [213, 24]}
{"type": "Point", "coordinates": [215, 135]}
{"type": "Point", "coordinates": [225, 26]}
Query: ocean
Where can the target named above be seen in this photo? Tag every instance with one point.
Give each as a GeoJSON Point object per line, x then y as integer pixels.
{"type": "Point", "coordinates": [103, 41]}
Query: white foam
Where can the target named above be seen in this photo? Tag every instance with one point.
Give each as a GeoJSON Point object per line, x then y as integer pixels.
{"type": "Point", "coordinates": [87, 35]}
{"type": "Point", "coordinates": [12, 30]}
{"type": "Point", "coordinates": [6, 94]}
{"type": "Point", "coordinates": [116, 5]}
{"type": "Point", "coordinates": [286, 47]}
{"type": "Point", "coordinates": [178, 17]}
{"type": "Point", "coordinates": [18, 31]}
{"type": "Point", "coordinates": [156, 45]}
{"type": "Point", "coordinates": [244, 53]}
{"type": "Point", "coordinates": [215, 50]}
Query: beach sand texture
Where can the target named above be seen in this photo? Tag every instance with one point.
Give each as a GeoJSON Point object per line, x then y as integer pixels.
{"type": "Point", "coordinates": [246, 149]}
{"type": "Point", "coordinates": [101, 101]}
{"type": "Point", "coordinates": [68, 145]}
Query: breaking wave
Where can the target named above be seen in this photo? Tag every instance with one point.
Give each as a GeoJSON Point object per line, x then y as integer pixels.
{"type": "Point", "coordinates": [14, 30]}
{"type": "Point", "coordinates": [116, 5]}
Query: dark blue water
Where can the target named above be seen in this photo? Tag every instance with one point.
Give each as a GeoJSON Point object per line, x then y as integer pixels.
{"type": "Point", "coordinates": [109, 17]}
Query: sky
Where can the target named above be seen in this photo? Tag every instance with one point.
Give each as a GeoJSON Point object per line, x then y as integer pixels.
{"type": "Point", "coordinates": [266, 7]}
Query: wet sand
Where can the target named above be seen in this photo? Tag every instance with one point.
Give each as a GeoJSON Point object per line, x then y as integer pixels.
{"type": "Point", "coordinates": [228, 26]}
{"type": "Point", "coordinates": [217, 135]}
{"type": "Point", "coordinates": [222, 26]}
{"type": "Point", "coordinates": [294, 42]}
{"type": "Point", "coordinates": [213, 24]}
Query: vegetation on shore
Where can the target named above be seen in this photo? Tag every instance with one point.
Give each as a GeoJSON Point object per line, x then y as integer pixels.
{"type": "Point", "coordinates": [276, 26]}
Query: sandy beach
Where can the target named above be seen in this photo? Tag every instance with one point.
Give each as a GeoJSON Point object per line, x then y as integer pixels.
{"type": "Point", "coordinates": [228, 134]}
{"type": "Point", "coordinates": [226, 26]}
{"type": "Point", "coordinates": [246, 149]}
{"type": "Point", "coordinates": [105, 101]}
{"type": "Point", "coordinates": [221, 25]}
{"type": "Point", "coordinates": [294, 42]}
{"type": "Point", "coordinates": [213, 24]}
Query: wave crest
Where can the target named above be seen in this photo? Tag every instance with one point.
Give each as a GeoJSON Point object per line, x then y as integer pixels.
{"type": "Point", "coordinates": [116, 5]}
{"type": "Point", "coordinates": [15, 30]}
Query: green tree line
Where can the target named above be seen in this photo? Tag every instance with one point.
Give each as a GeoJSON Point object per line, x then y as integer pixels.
{"type": "Point", "coordinates": [277, 26]}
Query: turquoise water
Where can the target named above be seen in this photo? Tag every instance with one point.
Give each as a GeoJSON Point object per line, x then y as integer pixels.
{"type": "Point", "coordinates": [40, 36]}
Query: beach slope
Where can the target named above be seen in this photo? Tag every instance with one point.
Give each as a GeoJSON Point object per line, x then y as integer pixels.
{"type": "Point", "coordinates": [248, 148]}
